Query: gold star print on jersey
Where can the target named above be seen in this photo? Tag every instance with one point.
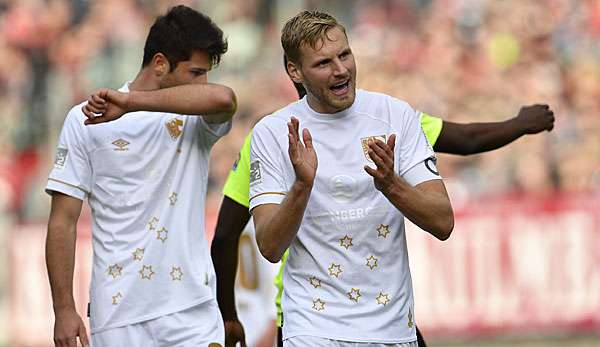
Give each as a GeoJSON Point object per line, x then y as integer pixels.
{"type": "Point", "coordinates": [116, 298]}
{"type": "Point", "coordinates": [176, 273]}
{"type": "Point", "coordinates": [173, 198]}
{"type": "Point", "coordinates": [354, 294]}
{"type": "Point", "coordinates": [372, 262]}
{"type": "Point", "coordinates": [335, 270]}
{"type": "Point", "coordinates": [115, 270]}
{"type": "Point", "coordinates": [346, 242]}
{"type": "Point", "coordinates": [146, 272]}
{"type": "Point", "coordinates": [315, 282]}
{"type": "Point", "coordinates": [161, 234]}
{"type": "Point", "coordinates": [383, 230]}
{"type": "Point", "coordinates": [382, 299]}
{"type": "Point", "coordinates": [138, 254]}
{"type": "Point", "coordinates": [152, 223]}
{"type": "Point", "coordinates": [318, 305]}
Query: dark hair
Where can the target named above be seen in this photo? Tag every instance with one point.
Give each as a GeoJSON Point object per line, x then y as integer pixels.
{"type": "Point", "coordinates": [182, 31]}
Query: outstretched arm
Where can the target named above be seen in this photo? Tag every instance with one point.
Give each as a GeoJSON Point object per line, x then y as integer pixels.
{"type": "Point", "coordinates": [60, 261]}
{"type": "Point", "coordinates": [216, 103]}
{"type": "Point", "coordinates": [232, 219]}
{"type": "Point", "coordinates": [472, 138]}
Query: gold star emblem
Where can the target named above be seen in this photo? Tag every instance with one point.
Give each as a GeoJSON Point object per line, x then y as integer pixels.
{"type": "Point", "coordinates": [372, 262]}
{"type": "Point", "coordinates": [138, 254]}
{"type": "Point", "coordinates": [383, 230]}
{"type": "Point", "coordinates": [314, 281]}
{"type": "Point", "coordinates": [161, 234]}
{"type": "Point", "coordinates": [346, 242]}
{"type": "Point", "coordinates": [382, 299]}
{"type": "Point", "coordinates": [354, 294]}
{"type": "Point", "coordinates": [146, 272]}
{"type": "Point", "coordinates": [115, 270]}
{"type": "Point", "coordinates": [318, 305]}
{"type": "Point", "coordinates": [176, 273]}
{"type": "Point", "coordinates": [173, 198]}
{"type": "Point", "coordinates": [335, 270]}
{"type": "Point", "coordinates": [152, 223]}
{"type": "Point", "coordinates": [116, 297]}
{"type": "Point", "coordinates": [410, 319]}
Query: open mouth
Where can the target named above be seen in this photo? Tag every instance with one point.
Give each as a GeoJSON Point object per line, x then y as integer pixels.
{"type": "Point", "coordinates": [341, 88]}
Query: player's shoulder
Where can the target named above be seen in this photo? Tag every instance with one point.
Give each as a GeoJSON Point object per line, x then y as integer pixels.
{"type": "Point", "coordinates": [377, 98]}
{"type": "Point", "coordinates": [278, 120]}
{"type": "Point", "coordinates": [383, 106]}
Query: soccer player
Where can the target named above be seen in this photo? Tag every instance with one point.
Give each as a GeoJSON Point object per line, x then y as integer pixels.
{"type": "Point", "coordinates": [347, 278]}
{"type": "Point", "coordinates": [144, 174]}
{"type": "Point", "coordinates": [446, 137]}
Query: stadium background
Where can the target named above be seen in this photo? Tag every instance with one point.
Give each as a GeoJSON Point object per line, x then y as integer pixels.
{"type": "Point", "coordinates": [523, 265]}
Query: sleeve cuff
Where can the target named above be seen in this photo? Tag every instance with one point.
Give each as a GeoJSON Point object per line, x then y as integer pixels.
{"type": "Point", "coordinates": [55, 185]}
{"type": "Point", "coordinates": [421, 172]}
{"type": "Point", "coordinates": [266, 198]}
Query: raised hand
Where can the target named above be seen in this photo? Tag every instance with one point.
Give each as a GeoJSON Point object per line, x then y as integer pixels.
{"type": "Point", "coordinates": [303, 155]}
{"type": "Point", "coordinates": [536, 118]}
{"type": "Point", "coordinates": [105, 105]}
{"type": "Point", "coordinates": [234, 333]}
{"type": "Point", "coordinates": [382, 154]}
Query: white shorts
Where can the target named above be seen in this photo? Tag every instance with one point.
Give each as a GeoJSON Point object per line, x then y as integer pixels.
{"type": "Point", "coordinates": [200, 325]}
{"type": "Point", "coordinates": [313, 341]}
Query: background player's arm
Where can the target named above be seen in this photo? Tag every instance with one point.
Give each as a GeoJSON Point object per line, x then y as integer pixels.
{"type": "Point", "coordinates": [232, 219]}
{"type": "Point", "coordinates": [215, 103]}
{"type": "Point", "coordinates": [277, 225]}
{"type": "Point", "coordinates": [474, 138]}
{"type": "Point", "coordinates": [60, 260]}
{"type": "Point", "coordinates": [427, 204]}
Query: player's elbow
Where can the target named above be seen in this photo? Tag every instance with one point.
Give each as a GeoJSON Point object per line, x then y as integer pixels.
{"type": "Point", "coordinates": [444, 227]}
{"type": "Point", "coordinates": [226, 102]}
{"type": "Point", "coordinates": [268, 250]}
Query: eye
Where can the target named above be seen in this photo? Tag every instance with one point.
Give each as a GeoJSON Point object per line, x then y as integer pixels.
{"type": "Point", "coordinates": [344, 55]}
{"type": "Point", "coordinates": [198, 73]}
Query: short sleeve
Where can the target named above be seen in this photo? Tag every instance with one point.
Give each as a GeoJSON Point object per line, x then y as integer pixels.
{"type": "Point", "coordinates": [267, 181]}
{"type": "Point", "coordinates": [412, 147]}
{"type": "Point", "coordinates": [72, 173]}
{"type": "Point", "coordinates": [237, 186]}
{"type": "Point", "coordinates": [214, 130]}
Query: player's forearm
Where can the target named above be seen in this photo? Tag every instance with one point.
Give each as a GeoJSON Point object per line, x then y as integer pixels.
{"type": "Point", "coordinates": [216, 103]}
{"type": "Point", "coordinates": [475, 138]}
{"type": "Point", "coordinates": [232, 219]}
{"type": "Point", "coordinates": [275, 232]}
{"type": "Point", "coordinates": [60, 262]}
{"type": "Point", "coordinates": [428, 209]}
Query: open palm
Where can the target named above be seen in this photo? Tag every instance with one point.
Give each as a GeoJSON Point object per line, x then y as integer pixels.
{"type": "Point", "coordinates": [303, 155]}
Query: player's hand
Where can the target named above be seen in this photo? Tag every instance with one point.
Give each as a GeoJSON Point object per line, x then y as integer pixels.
{"type": "Point", "coordinates": [303, 155]}
{"type": "Point", "coordinates": [67, 327]}
{"type": "Point", "coordinates": [234, 333]}
{"type": "Point", "coordinates": [536, 118]}
{"type": "Point", "coordinates": [105, 105]}
{"type": "Point", "coordinates": [382, 154]}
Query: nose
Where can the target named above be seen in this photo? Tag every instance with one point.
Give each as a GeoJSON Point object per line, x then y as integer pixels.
{"type": "Point", "coordinates": [339, 69]}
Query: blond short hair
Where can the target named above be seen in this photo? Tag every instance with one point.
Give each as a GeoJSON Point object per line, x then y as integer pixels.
{"type": "Point", "coordinates": [307, 27]}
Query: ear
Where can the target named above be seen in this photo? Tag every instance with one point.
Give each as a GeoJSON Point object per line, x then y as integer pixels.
{"type": "Point", "coordinates": [160, 65]}
{"type": "Point", "coordinates": [294, 71]}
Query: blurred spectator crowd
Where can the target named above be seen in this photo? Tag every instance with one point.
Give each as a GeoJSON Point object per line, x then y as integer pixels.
{"type": "Point", "coordinates": [462, 60]}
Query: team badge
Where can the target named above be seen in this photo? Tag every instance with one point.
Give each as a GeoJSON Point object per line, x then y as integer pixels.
{"type": "Point", "coordinates": [61, 158]}
{"type": "Point", "coordinates": [174, 126]}
{"type": "Point", "coordinates": [365, 144]}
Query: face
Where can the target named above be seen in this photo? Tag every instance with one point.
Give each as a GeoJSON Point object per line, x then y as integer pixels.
{"type": "Point", "coordinates": [192, 71]}
{"type": "Point", "coordinates": [328, 73]}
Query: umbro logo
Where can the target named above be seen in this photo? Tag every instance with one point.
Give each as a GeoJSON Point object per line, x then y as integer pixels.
{"type": "Point", "coordinates": [121, 145]}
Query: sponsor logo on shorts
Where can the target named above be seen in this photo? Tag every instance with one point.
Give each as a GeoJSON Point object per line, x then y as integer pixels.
{"type": "Point", "coordinates": [61, 158]}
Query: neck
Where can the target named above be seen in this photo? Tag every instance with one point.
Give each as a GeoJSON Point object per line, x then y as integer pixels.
{"type": "Point", "coordinates": [145, 80]}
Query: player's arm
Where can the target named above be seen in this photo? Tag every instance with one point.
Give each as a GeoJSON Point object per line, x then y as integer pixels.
{"type": "Point", "coordinates": [277, 224]}
{"type": "Point", "coordinates": [60, 261]}
{"type": "Point", "coordinates": [214, 102]}
{"type": "Point", "coordinates": [232, 219]}
{"type": "Point", "coordinates": [474, 138]}
{"type": "Point", "coordinates": [426, 204]}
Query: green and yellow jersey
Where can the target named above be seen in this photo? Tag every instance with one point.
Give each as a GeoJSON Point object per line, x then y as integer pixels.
{"type": "Point", "coordinates": [237, 187]}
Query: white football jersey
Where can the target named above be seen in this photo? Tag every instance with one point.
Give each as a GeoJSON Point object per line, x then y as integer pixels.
{"type": "Point", "coordinates": [347, 276]}
{"type": "Point", "coordinates": [145, 177]}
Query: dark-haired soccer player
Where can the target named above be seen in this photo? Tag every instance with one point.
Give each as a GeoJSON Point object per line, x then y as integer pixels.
{"type": "Point", "coordinates": [144, 174]}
